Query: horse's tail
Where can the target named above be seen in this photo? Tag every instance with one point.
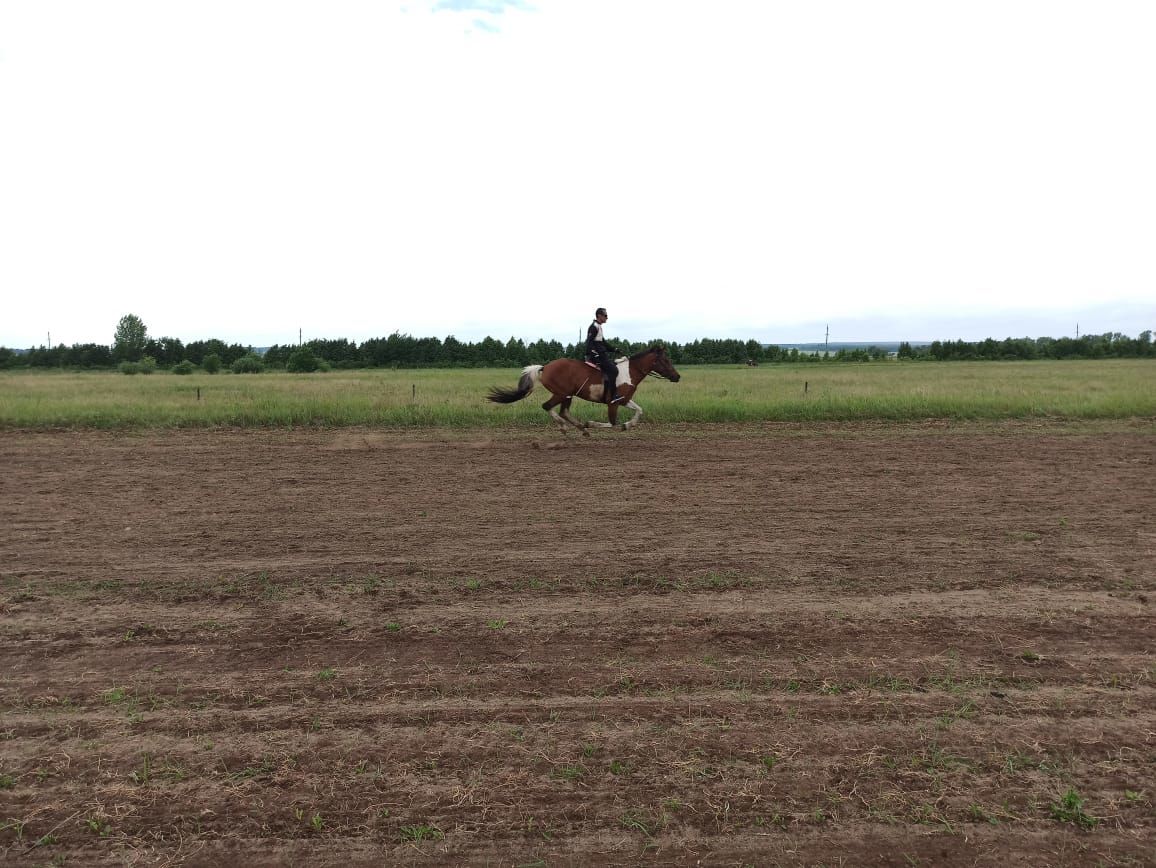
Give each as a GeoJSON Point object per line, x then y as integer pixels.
{"type": "Point", "coordinates": [531, 376]}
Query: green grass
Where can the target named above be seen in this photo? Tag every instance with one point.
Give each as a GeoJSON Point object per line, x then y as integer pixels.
{"type": "Point", "coordinates": [1111, 389]}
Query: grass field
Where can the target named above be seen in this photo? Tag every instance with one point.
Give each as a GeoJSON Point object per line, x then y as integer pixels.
{"type": "Point", "coordinates": [1110, 389]}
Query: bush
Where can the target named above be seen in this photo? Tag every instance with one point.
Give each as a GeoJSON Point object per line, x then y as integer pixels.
{"type": "Point", "coordinates": [184, 367]}
{"type": "Point", "coordinates": [250, 363]}
{"type": "Point", "coordinates": [129, 368]}
{"type": "Point", "coordinates": [302, 361]}
{"type": "Point", "coordinates": [147, 364]}
{"type": "Point", "coordinates": [211, 363]}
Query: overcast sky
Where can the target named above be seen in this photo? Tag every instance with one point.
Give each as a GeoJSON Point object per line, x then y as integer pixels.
{"type": "Point", "coordinates": [740, 168]}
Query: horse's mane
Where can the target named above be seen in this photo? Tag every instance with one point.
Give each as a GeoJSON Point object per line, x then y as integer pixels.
{"type": "Point", "coordinates": [652, 349]}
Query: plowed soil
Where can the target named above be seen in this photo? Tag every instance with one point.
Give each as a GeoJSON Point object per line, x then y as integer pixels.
{"type": "Point", "coordinates": [859, 645]}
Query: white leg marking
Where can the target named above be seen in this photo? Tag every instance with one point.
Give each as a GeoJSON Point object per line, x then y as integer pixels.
{"type": "Point", "coordinates": [566, 415]}
{"type": "Point", "coordinates": [635, 418]}
{"type": "Point", "coordinates": [557, 418]}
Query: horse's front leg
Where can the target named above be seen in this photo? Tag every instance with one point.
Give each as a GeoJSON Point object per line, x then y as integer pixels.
{"type": "Point", "coordinates": [635, 418]}
{"type": "Point", "coordinates": [611, 413]}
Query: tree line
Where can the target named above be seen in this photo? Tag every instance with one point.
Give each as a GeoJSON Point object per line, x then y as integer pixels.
{"type": "Point", "coordinates": [133, 346]}
{"type": "Point", "coordinates": [1111, 345]}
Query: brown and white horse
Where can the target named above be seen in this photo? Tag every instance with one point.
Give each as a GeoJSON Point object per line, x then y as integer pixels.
{"type": "Point", "coordinates": [567, 379]}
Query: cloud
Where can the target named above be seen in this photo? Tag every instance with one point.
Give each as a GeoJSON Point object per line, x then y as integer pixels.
{"type": "Point", "coordinates": [483, 15]}
{"type": "Point", "coordinates": [489, 7]}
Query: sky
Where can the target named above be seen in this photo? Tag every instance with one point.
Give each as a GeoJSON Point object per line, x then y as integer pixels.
{"type": "Point", "coordinates": [252, 171]}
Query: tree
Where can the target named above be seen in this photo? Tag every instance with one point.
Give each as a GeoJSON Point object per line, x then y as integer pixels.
{"type": "Point", "coordinates": [130, 340]}
{"type": "Point", "coordinates": [302, 361]}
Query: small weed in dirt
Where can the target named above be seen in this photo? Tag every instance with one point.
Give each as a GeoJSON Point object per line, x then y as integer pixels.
{"type": "Point", "coordinates": [98, 826]}
{"type": "Point", "coordinates": [640, 821]}
{"type": "Point", "coordinates": [497, 624]}
{"type": "Point", "coordinates": [116, 696]}
{"type": "Point", "coordinates": [421, 832]}
{"type": "Point", "coordinates": [473, 584]}
{"type": "Point", "coordinates": [569, 773]}
{"type": "Point", "coordinates": [250, 772]}
{"type": "Point", "coordinates": [1070, 809]}
{"type": "Point", "coordinates": [981, 815]}
{"type": "Point", "coordinates": [7, 782]}
{"type": "Point", "coordinates": [936, 758]}
{"type": "Point", "coordinates": [1031, 657]}
{"type": "Point", "coordinates": [393, 626]}
{"type": "Point", "coordinates": [1024, 535]}
{"type": "Point", "coordinates": [1017, 761]}
{"type": "Point", "coordinates": [327, 674]}
{"type": "Point", "coordinates": [370, 585]}
{"type": "Point", "coordinates": [963, 712]}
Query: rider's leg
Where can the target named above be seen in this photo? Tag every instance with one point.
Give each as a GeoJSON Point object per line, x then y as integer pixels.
{"type": "Point", "coordinates": [610, 370]}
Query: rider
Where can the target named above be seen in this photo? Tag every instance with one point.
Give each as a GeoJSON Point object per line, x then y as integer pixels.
{"type": "Point", "coordinates": [599, 352]}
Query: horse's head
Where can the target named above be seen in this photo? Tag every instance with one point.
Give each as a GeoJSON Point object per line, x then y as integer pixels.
{"type": "Point", "coordinates": [662, 365]}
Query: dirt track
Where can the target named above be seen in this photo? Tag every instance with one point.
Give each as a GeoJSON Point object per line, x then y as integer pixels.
{"type": "Point", "coordinates": [890, 645]}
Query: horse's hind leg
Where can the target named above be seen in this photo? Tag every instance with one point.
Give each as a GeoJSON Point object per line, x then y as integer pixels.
{"type": "Point", "coordinates": [561, 418]}
{"type": "Point", "coordinates": [549, 407]}
{"type": "Point", "coordinates": [566, 415]}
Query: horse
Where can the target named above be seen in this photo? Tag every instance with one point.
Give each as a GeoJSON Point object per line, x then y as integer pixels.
{"type": "Point", "coordinates": [567, 379]}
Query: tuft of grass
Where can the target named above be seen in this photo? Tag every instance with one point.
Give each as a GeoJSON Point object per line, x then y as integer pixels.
{"type": "Point", "coordinates": [569, 773]}
{"type": "Point", "coordinates": [327, 674]}
{"type": "Point", "coordinates": [981, 815]}
{"type": "Point", "coordinates": [421, 832]}
{"type": "Point", "coordinates": [98, 825]}
{"type": "Point", "coordinates": [1070, 809]}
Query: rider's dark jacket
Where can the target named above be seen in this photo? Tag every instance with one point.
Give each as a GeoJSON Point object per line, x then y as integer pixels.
{"type": "Point", "coordinates": [596, 346]}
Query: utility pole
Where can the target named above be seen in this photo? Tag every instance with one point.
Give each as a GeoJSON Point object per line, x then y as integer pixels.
{"type": "Point", "coordinates": [299, 337]}
{"type": "Point", "coordinates": [826, 338]}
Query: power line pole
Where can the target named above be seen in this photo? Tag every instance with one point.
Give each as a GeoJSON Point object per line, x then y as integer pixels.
{"type": "Point", "coordinates": [826, 338]}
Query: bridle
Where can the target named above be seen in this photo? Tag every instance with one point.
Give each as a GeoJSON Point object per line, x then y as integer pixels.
{"type": "Point", "coordinates": [654, 373]}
